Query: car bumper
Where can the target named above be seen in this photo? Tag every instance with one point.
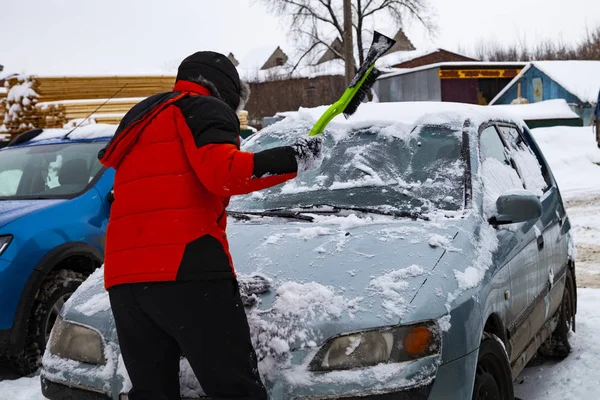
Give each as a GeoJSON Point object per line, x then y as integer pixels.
{"type": "Point", "coordinates": [450, 381]}
{"type": "Point", "coordinates": [58, 391]}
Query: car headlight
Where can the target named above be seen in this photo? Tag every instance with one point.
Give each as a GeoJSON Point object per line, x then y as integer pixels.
{"type": "Point", "coordinates": [4, 242]}
{"type": "Point", "coordinates": [76, 342]}
{"type": "Point", "coordinates": [382, 345]}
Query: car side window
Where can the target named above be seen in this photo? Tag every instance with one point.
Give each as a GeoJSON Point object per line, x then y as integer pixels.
{"type": "Point", "coordinates": [529, 166]}
{"type": "Point", "coordinates": [491, 146]}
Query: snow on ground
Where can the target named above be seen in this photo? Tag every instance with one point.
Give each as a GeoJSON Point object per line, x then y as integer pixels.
{"type": "Point", "coordinates": [573, 156]}
{"type": "Point", "coordinates": [21, 389]}
{"type": "Point", "coordinates": [576, 377]}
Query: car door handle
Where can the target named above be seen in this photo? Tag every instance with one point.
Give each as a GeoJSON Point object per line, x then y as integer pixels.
{"type": "Point", "coordinates": [540, 242]}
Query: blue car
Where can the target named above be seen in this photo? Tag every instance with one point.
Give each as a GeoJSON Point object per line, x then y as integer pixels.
{"type": "Point", "coordinates": [54, 203]}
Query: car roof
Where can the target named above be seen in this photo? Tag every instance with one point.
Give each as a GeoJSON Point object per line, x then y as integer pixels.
{"type": "Point", "coordinates": [87, 133]}
{"type": "Point", "coordinates": [412, 113]}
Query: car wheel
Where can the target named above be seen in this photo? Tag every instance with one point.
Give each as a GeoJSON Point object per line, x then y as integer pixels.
{"type": "Point", "coordinates": [558, 344]}
{"type": "Point", "coordinates": [55, 290]}
{"type": "Point", "coordinates": [493, 377]}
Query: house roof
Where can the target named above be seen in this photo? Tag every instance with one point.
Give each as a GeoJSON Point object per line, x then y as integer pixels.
{"type": "Point", "coordinates": [397, 57]}
{"type": "Point", "coordinates": [455, 64]}
{"type": "Point", "coordinates": [403, 43]}
{"type": "Point", "coordinates": [581, 78]}
{"type": "Point", "coordinates": [330, 54]}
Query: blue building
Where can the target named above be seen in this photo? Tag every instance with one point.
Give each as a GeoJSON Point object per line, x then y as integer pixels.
{"type": "Point", "coordinates": [577, 82]}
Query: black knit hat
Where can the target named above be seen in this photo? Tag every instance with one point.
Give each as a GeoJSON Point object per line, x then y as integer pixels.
{"type": "Point", "coordinates": [216, 72]}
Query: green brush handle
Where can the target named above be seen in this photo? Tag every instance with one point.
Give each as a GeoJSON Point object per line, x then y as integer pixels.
{"type": "Point", "coordinates": [339, 106]}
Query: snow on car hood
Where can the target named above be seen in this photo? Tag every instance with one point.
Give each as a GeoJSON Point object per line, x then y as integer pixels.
{"type": "Point", "coordinates": [332, 275]}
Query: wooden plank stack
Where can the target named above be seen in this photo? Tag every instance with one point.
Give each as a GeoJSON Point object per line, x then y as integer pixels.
{"type": "Point", "coordinates": [64, 99]}
{"type": "Point", "coordinates": [2, 106]}
{"type": "Point", "coordinates": [68, 100]}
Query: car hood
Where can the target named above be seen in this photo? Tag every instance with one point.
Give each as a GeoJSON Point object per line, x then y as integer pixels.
{"type": "Point", "coordinates": [11, 210]}
{"type": "Point", "coordinates": [333, 275]}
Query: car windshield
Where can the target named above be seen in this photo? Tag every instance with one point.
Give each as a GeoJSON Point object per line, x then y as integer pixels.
{"type": "Point", "coordinates": [48, 171]}
{"type": "Point", "coordinates": [378, 168]}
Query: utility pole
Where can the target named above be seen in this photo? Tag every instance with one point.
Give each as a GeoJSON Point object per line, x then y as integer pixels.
{"type": "Point", "coordinates": [348, 43]}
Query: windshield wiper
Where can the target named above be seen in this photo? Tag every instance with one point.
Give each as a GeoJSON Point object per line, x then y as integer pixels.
{"type": "Point", "coordinates": [336, 210]}
{"type": "Point", "coordinates": [270, 213]}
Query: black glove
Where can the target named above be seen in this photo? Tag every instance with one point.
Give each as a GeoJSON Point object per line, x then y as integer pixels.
{"type": "Point", "coordinates": [308, 152]}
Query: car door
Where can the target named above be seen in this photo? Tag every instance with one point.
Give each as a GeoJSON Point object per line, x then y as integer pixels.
{"type": "Point", "coordinates": [552, 243]}
{"type": "Point", "coordinates": [517, 248]}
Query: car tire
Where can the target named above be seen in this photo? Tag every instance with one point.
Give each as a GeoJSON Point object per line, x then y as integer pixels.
{"type": "Point", "coordinates": [55, 290]}
{"type": "Point", "coordinates": [557, 345]}
{"type": "Point", "coordinates": [493, 376]}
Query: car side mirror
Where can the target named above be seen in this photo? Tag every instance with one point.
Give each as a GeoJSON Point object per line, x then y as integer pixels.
{"type": "Point", "coordinates": [111, 196]}
{"type": "Point", "coordinates": [517, 206]}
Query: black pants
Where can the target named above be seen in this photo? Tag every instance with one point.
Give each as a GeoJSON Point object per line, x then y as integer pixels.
{"type": "Point", "coordinates": [203, 319]}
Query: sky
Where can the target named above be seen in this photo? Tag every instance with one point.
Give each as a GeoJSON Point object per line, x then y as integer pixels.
{"type": "Point", "coordinates": [65, 37]}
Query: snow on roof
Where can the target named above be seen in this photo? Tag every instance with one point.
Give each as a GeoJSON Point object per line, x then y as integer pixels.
{"type": "Point", "coordinates": [402, 71]}
{"type": "Point", "coordinates": [550, 109]}
{"type": "Point", "coordinates": [398, 57]}
{"type": "Point", "coordinates": [413, 113]}
{"type": "Point", "coordinates": [256, 58]}
{"type": "Point", "coordinates": [582, 78]}
{"type": "Point", "coordinates": [287, 71]}
{"type": "Point", "coordinates": [91, 131]}
{"type": "Point", "coordinates": [6, 74]}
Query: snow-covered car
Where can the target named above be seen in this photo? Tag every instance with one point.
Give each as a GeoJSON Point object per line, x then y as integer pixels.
{"type": "Point", "coordinates": [428, 256]}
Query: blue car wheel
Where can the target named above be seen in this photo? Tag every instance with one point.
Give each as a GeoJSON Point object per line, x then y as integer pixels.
{"type": "Point", "coordinates": [56, 289]}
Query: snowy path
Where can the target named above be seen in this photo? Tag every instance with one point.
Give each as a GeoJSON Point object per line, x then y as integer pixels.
{"type": "Point", "coordinates": [576, 377]}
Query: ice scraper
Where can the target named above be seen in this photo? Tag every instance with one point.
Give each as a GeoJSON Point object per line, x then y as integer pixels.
{"type": "Point", "coordinates": [359, 87]}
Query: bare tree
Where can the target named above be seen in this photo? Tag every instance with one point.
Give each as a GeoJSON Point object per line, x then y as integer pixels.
{"type": "Point", "coordinates": [316, 23]}
{"type": "Point", "coordinates": [587, 49]}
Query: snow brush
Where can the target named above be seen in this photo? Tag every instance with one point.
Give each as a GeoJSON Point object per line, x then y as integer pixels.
{"type": "Point", "coordinates": [359, 87]}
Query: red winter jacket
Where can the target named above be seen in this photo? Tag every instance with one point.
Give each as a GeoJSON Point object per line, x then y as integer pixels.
{"type": "Point", "coordinates": [177, 162]}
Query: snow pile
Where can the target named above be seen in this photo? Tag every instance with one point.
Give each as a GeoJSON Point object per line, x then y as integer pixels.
{"type": "Point", "coordinates": [289, 321]}
{"type": "Point", "coordinates": [390, 288]}
{"type": "Point", "coordinates": [550, 109]}
{"type": "Point", "coordinates": [21, 389]}
{"type": "Point", "coordinates": [436, 240]}
{"type": "Point", "coordinates": [573, 156]}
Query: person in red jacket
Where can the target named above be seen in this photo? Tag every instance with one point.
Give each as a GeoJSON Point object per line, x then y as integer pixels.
{"type": "Point", "coordinates": [168, 269]}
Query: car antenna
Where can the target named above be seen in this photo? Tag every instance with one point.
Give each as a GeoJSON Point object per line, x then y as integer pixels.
{"type": "Point", "coordinates": [94, 112]}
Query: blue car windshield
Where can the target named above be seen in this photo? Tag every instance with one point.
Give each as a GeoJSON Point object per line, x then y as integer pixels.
{"type": "Point", "coordinates": [385, 168]}
{"type": "Point", "coordinates": [48, 171]}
